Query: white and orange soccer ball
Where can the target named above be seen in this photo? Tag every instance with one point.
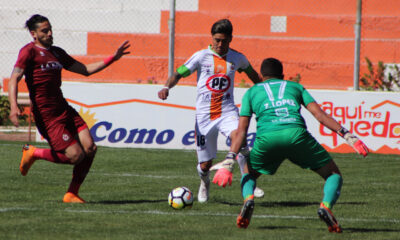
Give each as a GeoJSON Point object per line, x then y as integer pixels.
{"type": "Point", "coordinates": [180, 198]}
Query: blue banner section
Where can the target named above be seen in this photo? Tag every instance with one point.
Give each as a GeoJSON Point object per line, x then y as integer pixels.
{"type": "Point", "coordinates": [106, 132]}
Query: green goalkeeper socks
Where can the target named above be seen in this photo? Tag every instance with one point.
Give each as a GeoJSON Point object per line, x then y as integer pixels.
{"type": "Point", "coordinates": [332, 187]}
{"type": "Point", "coordinates": [248, 184]}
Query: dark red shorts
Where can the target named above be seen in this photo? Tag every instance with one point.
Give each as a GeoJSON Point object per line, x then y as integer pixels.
{"type": "Point", "coordinates": [62, 131]}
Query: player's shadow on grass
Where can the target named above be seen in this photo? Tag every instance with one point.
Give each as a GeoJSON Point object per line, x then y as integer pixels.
{"type": "Point", "coordinates": [276, 227]}
{"type": "Point", "coordinates": [128, 202]}
{"type": "Point", "coordinates": [365, 230]}
{"type": "Point", "coordinates": [261, 203]}
{"type": "Point", "coordinates": [300, 204]}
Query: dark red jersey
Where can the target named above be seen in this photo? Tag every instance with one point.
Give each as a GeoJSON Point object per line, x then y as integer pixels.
{"type": "Point", "coordinates": [43, 77]}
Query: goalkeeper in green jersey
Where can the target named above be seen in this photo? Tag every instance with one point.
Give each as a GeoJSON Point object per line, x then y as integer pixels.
{"type": "Point", "coordinates": [281, 134]}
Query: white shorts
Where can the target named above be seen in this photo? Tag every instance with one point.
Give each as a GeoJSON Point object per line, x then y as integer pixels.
{"type": "Point", "coordinates": [207, 135]}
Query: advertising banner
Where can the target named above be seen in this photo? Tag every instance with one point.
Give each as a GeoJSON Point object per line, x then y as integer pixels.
{"type": "Point", "coordinates": [132, 115]}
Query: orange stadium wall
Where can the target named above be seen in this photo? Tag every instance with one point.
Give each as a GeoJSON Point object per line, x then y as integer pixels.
{"type": "Point", "coordinates": [317, 42]}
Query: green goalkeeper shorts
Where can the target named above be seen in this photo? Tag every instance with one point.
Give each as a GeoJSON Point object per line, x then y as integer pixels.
{"type": "Point", "coordinates": [295, 144]}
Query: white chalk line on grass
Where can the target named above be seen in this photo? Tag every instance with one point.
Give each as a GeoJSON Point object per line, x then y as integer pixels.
{"type": "Point", "coordinates": [44, 144]}
{"type": "Point", "coordinates": [202, 214]}
{"type": "Point", "coordinates": [177, 176]}
{"type": "Point", "coordinates": [217, 214]}
{"type": "Point", "coordinates": [145, 176]}
{"type": "Point", "coordinates": [15, 209]}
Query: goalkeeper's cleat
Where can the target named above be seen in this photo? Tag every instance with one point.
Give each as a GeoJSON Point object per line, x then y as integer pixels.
{"type": "Point", "coordinates": [204, 188]}
{"type": "Point", "coordinates": [70, 197]}
{"type": "Point", "coordinates": [27, 159]}
{"type": "Point", "coordinates": [258, 192]}
{"type": "Point", "coordinates": [326, 215]}
{"type": "Point", "coordinates": [243, 220]}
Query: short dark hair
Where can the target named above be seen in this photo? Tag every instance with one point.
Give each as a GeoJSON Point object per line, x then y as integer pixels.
{"type": "Point", "coordinates": [30, 24]}
{"type": "Point", "coordinates": [271, 67]}
{"type": "Point", "coordinates": [223, 26]}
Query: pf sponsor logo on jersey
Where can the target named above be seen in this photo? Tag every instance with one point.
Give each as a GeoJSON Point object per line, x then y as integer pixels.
{"type": "Point", "coordinates": [218, 83]}
{"type": "Point", "coordinates": [65, 137]}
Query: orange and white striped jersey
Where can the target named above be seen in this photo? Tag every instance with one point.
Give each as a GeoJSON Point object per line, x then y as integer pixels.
{"type": "Point", "coordinates": [215, 81]}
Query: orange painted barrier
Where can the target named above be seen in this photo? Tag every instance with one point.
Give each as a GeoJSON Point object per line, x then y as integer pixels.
{"type": "Point", "coordinates": [318, 42]}
{"type": "Point", "coordinates": [373, 7]}
{"type": "Point", "coordinates": [298, 25]}
{"type": "Point", "coordinates": [321, 63]}
{"type": "Point", "coordinates": [21, 85]}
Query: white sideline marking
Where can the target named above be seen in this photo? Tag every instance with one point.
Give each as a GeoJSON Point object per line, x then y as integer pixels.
{"type": "Point", "coordinates": [14, 209]}
{"type": "Point", "coordinates": [145, 176]}
{"type": "Point", "coordinates": [193, 213]}
{"type": "Point", "coordinates": [218, 214]}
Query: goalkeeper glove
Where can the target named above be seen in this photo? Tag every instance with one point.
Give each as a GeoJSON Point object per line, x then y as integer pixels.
{"type": "Point", "coordinates": [353, 141]}
{"type": "Point", "coordinates": [224, 175]}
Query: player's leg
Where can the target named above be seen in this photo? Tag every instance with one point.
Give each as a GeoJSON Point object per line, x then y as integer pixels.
{"type": "Point", "coordinates": [229, 128]}
{"type": "Point", "coordinates": [309, 154]}
{"type": "Point", "coordinates": [206, 151]}
{"type": "Point", "coordinates": [59, 139]}
{"type": "Point", "coordinates": [204, 174]}
{"type": "Point", "coordinates": [262, 160]}
{"type": "Point", "coordinates": [82, 168]}
{"type": "Point", "coordinates": [247, 183]}
{"type": "Point", "coordinates": [333, 184]}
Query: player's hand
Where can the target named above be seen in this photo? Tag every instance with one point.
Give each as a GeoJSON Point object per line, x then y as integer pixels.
{"type": "Point", "coordinates": [122, 50]}
{"type": "Point", "coordinates": [356, 143]}
{"type": "Point", "coordinates": [224, 175]}
{"type": "Point", "coordinates": [14, 114]}
{"type": "Point", "coordinates": [163, 93]}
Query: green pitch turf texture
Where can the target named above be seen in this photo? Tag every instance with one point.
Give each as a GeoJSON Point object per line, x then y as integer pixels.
{"type": "Point", "coordinates": [126, 193]}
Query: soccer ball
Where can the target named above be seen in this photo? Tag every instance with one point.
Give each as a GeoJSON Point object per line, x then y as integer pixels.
{"type": "Point", "coordinates": [180, 197]}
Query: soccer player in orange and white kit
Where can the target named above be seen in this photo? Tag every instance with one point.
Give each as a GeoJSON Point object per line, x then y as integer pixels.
{"type": "Point", "coordinates": [215, 109]}
{"type": "Point", "coordinates": [63, 128]}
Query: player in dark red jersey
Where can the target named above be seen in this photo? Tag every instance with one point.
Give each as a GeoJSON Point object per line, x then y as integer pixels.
{"type": "Point", "coordinates": [63, 128]}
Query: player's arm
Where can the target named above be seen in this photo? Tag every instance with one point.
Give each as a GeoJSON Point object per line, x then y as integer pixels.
{"type": "Point", "coordinates": [171, 82]}
{"type": "Point", "coordinates": [253, 75]}
{"type": "Point", "coordinates": [16, 76]}
{"type": "Point", "coordinates": [89, 69]}
{"type": "Point", "coordinates": [333, 125]}
{"type": "Point", "coordinates": [241, 133]}
{"type": "Point", "coordinates": [323, 117]}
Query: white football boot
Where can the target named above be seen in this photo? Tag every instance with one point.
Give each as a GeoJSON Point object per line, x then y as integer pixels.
{"type": "Point", "coordinates": [204, 188]}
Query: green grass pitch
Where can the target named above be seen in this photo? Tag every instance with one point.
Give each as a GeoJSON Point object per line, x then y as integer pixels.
{"type": "Point", "coordinates": [127, 192]}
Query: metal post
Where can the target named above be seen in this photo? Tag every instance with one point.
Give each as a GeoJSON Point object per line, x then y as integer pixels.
{"type": "Point", "coordinates": [171, 25]}
{"type": "Point", "coordinates": [357, 29]}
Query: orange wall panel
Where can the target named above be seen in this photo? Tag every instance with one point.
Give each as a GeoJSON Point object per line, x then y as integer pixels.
{"type": "Point", "coordinates": [126, 69]}
{"type": "Point", "coordinates": [318, 43]}
{"type": "Point", "coordinates": [298, 25]}
{"type": "Point", "coordinates": [280, 7]}
{"type": "Point", "coordinates": [141, 44]}
{"type": "Point", "coordinates": [381, 7]}
{"type": "Point", "coordinates": [21, 85]}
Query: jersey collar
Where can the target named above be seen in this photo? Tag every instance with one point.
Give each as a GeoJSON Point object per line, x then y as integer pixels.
{"type": "Point", "coordinates": [40, 46]}
{"type": "Point", "coordinates": [210, 48]}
